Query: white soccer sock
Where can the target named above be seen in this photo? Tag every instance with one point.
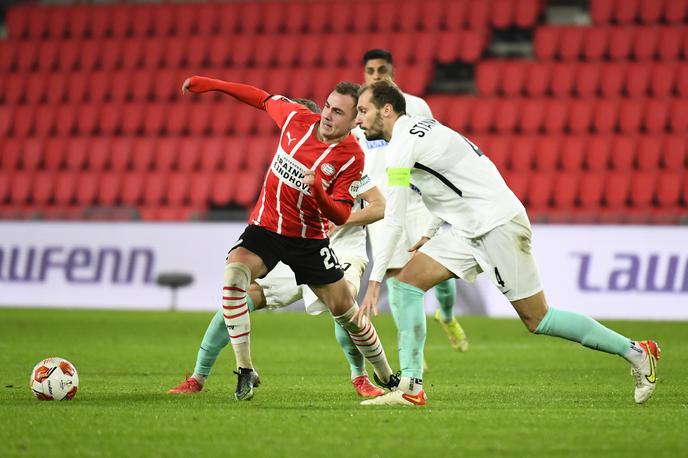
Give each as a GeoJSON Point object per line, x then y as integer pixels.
{"type": "Point", "coordinates": [200, 378]}
{"type": "Point", "coordinates": [635, 354]}
{"type": "Point", "coordinates": [410, 385]}
{"type": "Point", "coordinates": [235, 312]}
{"type": "Point", "coordinates": [366, 340]}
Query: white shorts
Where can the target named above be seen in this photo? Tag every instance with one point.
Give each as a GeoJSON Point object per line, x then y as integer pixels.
{"type": "Point", "coordinates": [504, 253]}
{"type": "Point", "coordinates": [417, 220]}
{"type": "Point", "coordinates": [280, 288]}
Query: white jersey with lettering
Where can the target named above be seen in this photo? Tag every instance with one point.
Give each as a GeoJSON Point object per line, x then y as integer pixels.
{"type": "Point", "coordinates": [417, 215]}
{"type": "Point", "coordinates": [351, 241]}
{"type": "Point", "coordinates": [459, 184]}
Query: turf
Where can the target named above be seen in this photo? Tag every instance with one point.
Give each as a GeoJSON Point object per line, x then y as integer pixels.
{"type": "Point", "coordinates": [512, 394]}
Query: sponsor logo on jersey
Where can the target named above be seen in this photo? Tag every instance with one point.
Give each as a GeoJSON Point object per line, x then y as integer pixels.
{"type": "Point", "coordinates": [372, 144]}
{"type": "Point", "coordinates": [327, 169]}
{"type": "Point", "coordinates": [290, 171]}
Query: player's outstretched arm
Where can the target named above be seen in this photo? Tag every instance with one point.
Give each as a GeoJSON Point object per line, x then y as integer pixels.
{"type": "Point", "coordinates": [246, 93]}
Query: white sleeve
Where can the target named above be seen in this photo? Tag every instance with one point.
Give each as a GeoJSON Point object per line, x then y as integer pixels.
{"type": "Point", "coordinates": [433, 227]}
{"type": "Point", "coordinates": [399, 162]}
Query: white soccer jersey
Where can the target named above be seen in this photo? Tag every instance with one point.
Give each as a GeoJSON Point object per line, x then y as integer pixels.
{"type": "Point", "coordinates": [351, 241]}
{"type": "Point", "coordinates": [459, 184]}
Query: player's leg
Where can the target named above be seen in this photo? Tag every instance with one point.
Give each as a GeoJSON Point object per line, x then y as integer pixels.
{"type": "Point", "coordinates": [515, 273]}
{"type": "Point", "coordinates": [343, 307]}
{"type": "Point", "coordinates": [418, 276]}
{"type": "Point", "coordinates": [214, 340]}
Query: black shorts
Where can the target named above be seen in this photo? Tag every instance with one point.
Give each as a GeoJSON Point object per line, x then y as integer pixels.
{"type": "Point", "coordinates": [312, 260]}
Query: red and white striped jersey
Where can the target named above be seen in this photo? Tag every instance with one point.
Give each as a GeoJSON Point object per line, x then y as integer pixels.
{"type": "Point", "coordinates": [285, 205]}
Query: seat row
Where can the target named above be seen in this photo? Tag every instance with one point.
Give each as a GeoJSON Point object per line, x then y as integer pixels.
{"type": "Point", "coordinates": [555, 116]}
{"type": "Point", "coordinates": [582, 79]}
{"type": "Point", "coordinates": [239, 51]}
{"type": "Point", "coordinates": [584, 153]}
{"type": "Point", "coordinates": [129, 189]}
{"type": "Point", "coordinates": [608, 42]}
{"type": "Point", "coordinates": [185, 154]}
{"type": "Point", "coordinates": [631, 11]}
{"type": "Point", "coordinates": [293, 17]}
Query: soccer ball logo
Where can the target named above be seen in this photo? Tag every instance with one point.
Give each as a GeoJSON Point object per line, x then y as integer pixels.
{"type": "Point", "coordinates": [54, 378]}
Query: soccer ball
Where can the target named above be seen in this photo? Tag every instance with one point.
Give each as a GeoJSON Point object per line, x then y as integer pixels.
{"type": "Point", "coordinates": [54, 378]}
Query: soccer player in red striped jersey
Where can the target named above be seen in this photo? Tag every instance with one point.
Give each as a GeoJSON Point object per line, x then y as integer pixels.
{"type": "Point", "coordinates": [312, 180]}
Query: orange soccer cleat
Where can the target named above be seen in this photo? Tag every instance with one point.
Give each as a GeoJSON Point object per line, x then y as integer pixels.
{"type": "Point", "coordinates": [188, 386]}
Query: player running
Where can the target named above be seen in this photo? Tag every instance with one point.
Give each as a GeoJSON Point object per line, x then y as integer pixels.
{"type": "Point", "coordinates": [490, 232]}
{"type": "Point", "coordinates": [312, 180]}
{"type": "Point", "coordinates": [377, 66]}
{"type": "Point", "coordinates": [279, 289]}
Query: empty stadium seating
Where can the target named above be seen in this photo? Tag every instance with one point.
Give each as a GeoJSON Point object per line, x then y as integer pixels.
{"type": "Point", "coordinates": [593, 129]}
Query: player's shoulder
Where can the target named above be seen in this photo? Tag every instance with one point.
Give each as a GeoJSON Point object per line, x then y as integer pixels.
{"type": "Point", "coordinates": [351, 146]}
{"type": "Point", "coordinates": [415, 106]}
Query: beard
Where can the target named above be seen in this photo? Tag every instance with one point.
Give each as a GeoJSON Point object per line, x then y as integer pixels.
{"type": "Point", "coordinates": [375, 132]}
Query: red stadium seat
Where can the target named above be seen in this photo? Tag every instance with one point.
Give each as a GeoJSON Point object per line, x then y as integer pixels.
{"type": "Point", "coordinates": [637, 79]}
{"type": "Point", "coordinates": [17, 22]}
{"type": "Point", "coordinates": [89, 55]}
{"type": "Point", "coordinates": [36, 87]}
{"type": "Point", "coordinates": [166, 153]}
{"type": "Point", "coordinates": [649, 148]}
{"type": "Point", "coordinates": [11, 153]}
{"type": "Point", "coordinates": [120, 153]}
{"type": "Point", "coordinates": [47, 55]}
{"type": "Point", "coordinates": [68, 54]}
{"type": "Point", "coordinates": [522, 150]}
{"type": "Point", "coordinates": [556, 115]}
{"type": "Point", "coordinates": [670, 40]}
{"type": "Point", "coordinates": [246, 194]}
{"type": "Point", "coordinates": [587, 79]}
{"type": "Point", "coordinates": [317, 17]}
{"type": "Point", "coordinates": [108, 189]}
{"type": "Point", "coordinates": [518, 183]}
{"type": "Point", "coordinates": [478, 15]}
{"type": "Point", "coordinates": [547, 153]}
{"type": "Point", "coordinates": [153, 53]}
{"type": "Point", "coordinates": [295, 17]}
{"type": "Point", "coordinates": [456, 15]}
{"type": "Point", "coordinates": [111, 55]}
{"type": "Point", "coordinates": [32, 153]}
{"type": "Point", "coordinates": [668, 188]}
{"type": "Point", "coordinates": [132, 118]}
{"type": "Point", "coordinates": [178, 188]}
{"type": "Point", "coordinates": [65, 188]}
{"type": "Point", "coordinates": [65, 119]}
{"type": "Point", "coordinates": [675, 10]}
{"type": "Point", "coordinates": [54, 153]}
{"type": "Point", "coordinates": [597, 153]}
{"type": "Point", "coordinates": [643, 188]}
{"type": "Point", "coordinates": [674, 152]}
{"type": "Point", "coordinates": [8, 54]}
{"type": "Point", "coordinates": [5, 120]}
{"type": "Point", "coordinates": [497, 149]}
{"type": "Point", "coordinates": [77, 149]}
{"type": "Point", "coordinates": [5, 177]}
{"type": "Point", "coordinates": [212, 152]}
{"type": "Point", "coordinates": [45, 120]}
{"type": "Point", "coordinates": [121, 21]}
{"type": "Point", "coordinates": [482, 116]}
{"type": "Point", "coordinates": [596, 43]}
{"type": "Point", "coordinates": [154, 188]}
{"type": "Point", "coordinates": [20, 188]}
{"type": "Point", "coordinates": [27, 55]}
{"type": "Point", "coordinates": [43, 186]}
{"type": "Point", "coordinates": [621, 42]}
{"type": "Point", "coordinates": [562, 80]}
{"type": "Point", "coordinates": [580, 116]}
{"type": "Point", "coordinates": [678, 116]}
{"type": "Point", "coordinates": [142, 16]}
{"type": "Point", "coordinates": [87, 118]}
{"type": "Point", "coordinates": [99, 86]}
{"type": "Point", "coordinates": [472, 44]}
{"type": "Point", "coordinates": [612, 78]}
{"type": "Point", "coordinates": [77, 87]}
{"type": "Point", "coordinates": [132, 53]}
{"type": "Point", "coordinates": [616, 190]}
{"type": "Point", "coordinates": [605, 115]}
{"type": "Point", "coordinates": [650, 12]}
{"type": "Point", "coordinates": [432, 15]}
{"type": "Point", "coordinates": [656, 113]}
{"type": "Point", "coordinates": [566, 190]}
{"type": "Point", "coordinates": [514, 78]}
{"type": "Point", "coordinates": [24, 119]}
{"type": "Point", "coordinates": [540, 191]}
{"type": "Point", "coordinates": [663, 79]}
{"type": "Point", "coordinates": [99, 154]}
{"type": "Point", "coordinates": [220, 19]}
{"type": "Point", "coordinates": [590, 188]}
{"type": "Point", "coordinates": [111, 119]}
{"type": "Point", "coordinates": [602, 11]}
{"type": "Point", "coordinates": [142, 154]}
{"type": "Point", "coordinates": [623, 153]}
{"type": "Point", "coordinates": [163, 19]}
{"type": "Point", "coordinates": [250, 18]}
{"type": "Point", "coordinates": [571, 42]}
{"type": "Point", "coordinates": [460, 113]}
{"type": "Point", "coordinates": [87, 188]}
{"type": "Point", "coordinates": [189, 154]}
{"type": "Point", "coordinates": [506, 115]}
{"type": "Point", "coordinates": [100, 19]}
{"type": "Point", "coordinates": [488, 76]}
{"type": "Point", "coordinates": [630, 115]}
{"type": "Point", "coordinates": [290, 47]}
{"type": "Point", "coordinates": [503, 12]}
{"type": "Point", "coordinates": [626, 11]}
{"type": "Point", "coordinates": [132, 188]}
{"type": "Point", "coordinates": [645, 43]}
{"type": "Point", "coordinates": [530, 119]}
{"type": "Point", "coordinates": [57, 25]}
{"type": "Point", "coordinates": [38, 23]}
{"type": "Point", "coordinates": [224, 184]}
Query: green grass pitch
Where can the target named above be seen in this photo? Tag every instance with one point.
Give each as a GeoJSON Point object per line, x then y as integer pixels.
{"type": "Point", "coordinates": [512, 394]}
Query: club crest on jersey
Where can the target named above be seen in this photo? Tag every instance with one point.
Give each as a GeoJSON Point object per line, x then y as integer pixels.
{"type": "Point", "coordinates": [327, 169]}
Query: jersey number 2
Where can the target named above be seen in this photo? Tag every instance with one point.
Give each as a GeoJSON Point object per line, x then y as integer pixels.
{"type": "Point", "coordinates": [329, 258]}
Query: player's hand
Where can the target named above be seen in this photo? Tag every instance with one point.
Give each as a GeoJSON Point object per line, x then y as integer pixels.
{"type": "Point", "coordinates": [185, 86]}
{"type": "Point", "coordinates": [309, 177]}
{"type": "Point", "coordinates": [369, 304]}
{"type": "Point", "coordinates": [423, 240]}
{"type": "Point", "coordinates": [333, 228]}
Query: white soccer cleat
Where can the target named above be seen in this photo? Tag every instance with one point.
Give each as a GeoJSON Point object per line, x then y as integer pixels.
{"type": "Point", "coordinates": [646, 373]}
{"type": "Point", "coordinates": [398, 398]}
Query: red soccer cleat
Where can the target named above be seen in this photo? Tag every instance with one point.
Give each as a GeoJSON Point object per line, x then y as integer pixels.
{"type": "Point", "coordinates": [365, 389]}
{"type": "Point", "coordinates": [188, 386]}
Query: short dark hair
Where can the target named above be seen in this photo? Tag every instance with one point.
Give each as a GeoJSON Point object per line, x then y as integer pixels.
{"type": "Point", "coordinates": [350, 89]}
{"type": "Point", "coordinates": [308, 103]}
{"type": "Point", "coordinates": [377, 54]}
{"type": "Point", "coordinates": [386, 92]}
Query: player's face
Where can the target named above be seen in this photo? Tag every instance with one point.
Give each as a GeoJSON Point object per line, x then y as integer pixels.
{"type": "Point", "coordinates": [338, 116]}
{"type": "Point", "coordinates": [369, 118]}
{"type": "Point", "coordinates": [377, 70]}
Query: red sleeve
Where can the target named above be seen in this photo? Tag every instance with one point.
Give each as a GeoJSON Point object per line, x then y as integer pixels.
{"type": "Point", "coordinates": [243, 92]}
{"type": "Point", "coordinates": [279, 108]}
{"type": "Point", "coordinates": [336, 211]}
{"type": "Point", "coordinates": [351, 173]}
